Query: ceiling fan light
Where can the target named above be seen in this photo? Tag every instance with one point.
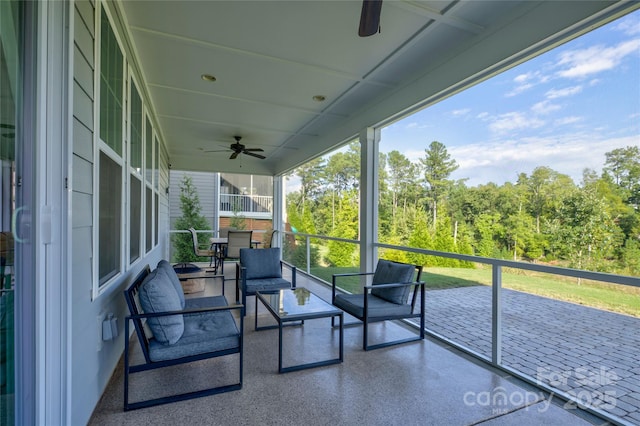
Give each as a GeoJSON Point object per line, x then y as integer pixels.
{"type": "Point", "coordinates": [208, 77]}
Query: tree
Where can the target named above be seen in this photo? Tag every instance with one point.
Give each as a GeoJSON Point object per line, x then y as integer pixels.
{"type": "Point", "coordinates": [191, 218]}
{"type": "Point", "coordinates": [343, 253]}
{"type": "Point", "coordinates": [543, 188]}
{"type": "Point", "coordinates": [584, 229]}
{"type": "Point", "coordinates": [438, 166]}
{"type": "Point", "coordinates": [623, 165]}
{"type": "Point", "coordinates": [402, 177]}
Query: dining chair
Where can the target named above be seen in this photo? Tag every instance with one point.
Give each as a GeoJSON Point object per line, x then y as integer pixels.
{"type": "Point", "coordinates": [236, 240]}
{"type": "Point", "coordinates": [200, 251]}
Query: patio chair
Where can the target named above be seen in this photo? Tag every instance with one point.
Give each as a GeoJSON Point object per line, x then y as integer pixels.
{"type": "Point", "coordinates": [236, 240]}
{"type": "Point", "coordinates": [267, 242]}
{"type": "Point", "coordinates": [173, 330]}
{"type": "Point", "coordinates": [199, 251]}
{"type": "Point", "coordinates": [387, 298]}
{"type": "Point", "coordinates": [224, 232]}
{"type": "Point", "coordinates": [261, 270]}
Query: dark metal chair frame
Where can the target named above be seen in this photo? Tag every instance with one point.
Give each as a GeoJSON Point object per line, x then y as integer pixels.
{"type": "Point", "coordinates": [137, 318]}
{"type": "Point", "coordinates": [367, 319]}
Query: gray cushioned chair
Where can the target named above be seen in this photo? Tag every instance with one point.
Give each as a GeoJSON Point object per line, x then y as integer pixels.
{"type": "Point", "coordinates": [178, 331]}
{"type": "Point", "coordinates": [387, 298]}
{"type": "Point", "coordinates": [261, 270]}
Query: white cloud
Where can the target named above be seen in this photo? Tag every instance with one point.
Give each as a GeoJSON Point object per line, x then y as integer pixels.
{"type": "Point", "coordinates": [416, 125]}
{"type": "Point", "coordinates": [483, 115]}
{"type": "Point", "coordinates": [512, 121]}
{"type": "Point", "coordinates": [502, 161]}
{"type": "Point", "coordinates": [583, 62]}
{"type": "Point", "coordinates": [561, 93]}
{"type": "Point", "coordinates": [629, 25]}
{"type": "Point", "coordinates": [460, 112]}
{"type": "Point", "coordinates": [519, 89]}
{"type": "Point", "coordinates": [521, 78]}
{"type": "Point", "coordinates": [527, 81]}
{"type": "Point", "coordinates": [567, 120]}
{"type": "Point", "coordinates": [545, 107]}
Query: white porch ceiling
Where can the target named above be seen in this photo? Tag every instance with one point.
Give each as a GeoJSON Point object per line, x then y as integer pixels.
{"type": "Point", "coordinates": [271, 57]}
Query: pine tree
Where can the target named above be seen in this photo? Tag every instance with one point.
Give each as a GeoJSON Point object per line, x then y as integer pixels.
{"type": "Point", "coordinates": [191, 218]}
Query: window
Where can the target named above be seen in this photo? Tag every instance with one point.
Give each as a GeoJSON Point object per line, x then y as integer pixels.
{"type": "Point", "coordinates": [135, 174]}
{"type": "Point", "coordinates": [148, 167]}
{"type": "Point", "coordinates": [110, 163]}
{"type": "Point", "coordinates": [135, 224]}
{"type": "Point", "coordinates": [111, 75]}
{"type": "Point", "coordinates": [110, 196]}
{"type": "Point", "coordinates": [149, 219]}
{"type": "Point", "coordinates": [136, 129]}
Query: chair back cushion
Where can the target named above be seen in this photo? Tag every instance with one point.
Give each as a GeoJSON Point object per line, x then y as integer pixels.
{"type": "Point", "coordinates": [238, 240]}
{"type": "Point", "coordinates": [158, 295]}
{"type": "Point", "coordinates": [261, 263]}
{"type": "Point", "coordinates": [388, 272]}
{"type": "Point", "coordinates": [171, 273]}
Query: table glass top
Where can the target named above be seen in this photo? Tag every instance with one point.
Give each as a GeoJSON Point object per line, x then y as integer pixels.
{"type": "Point", "coordinates": [295, 302]}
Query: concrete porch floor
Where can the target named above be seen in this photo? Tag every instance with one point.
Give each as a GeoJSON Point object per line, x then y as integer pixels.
{"type": "Point", "coordinates": [420, 383]}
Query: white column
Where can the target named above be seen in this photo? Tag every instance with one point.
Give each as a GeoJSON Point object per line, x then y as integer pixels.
{"type": "Point", "coordinates": [53, 262]}
{"type": "Point", "coordinates": [369, 146]}
{"type": "Point", "coordinates": [278, 209]}
{"type": "Point", "coordinates": [216, 203]}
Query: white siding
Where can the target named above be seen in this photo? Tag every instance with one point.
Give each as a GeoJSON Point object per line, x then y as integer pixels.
{"type": "Point", "coordinates": [93, 361]}
{"type": "Point", "coordinates": [204, 183]}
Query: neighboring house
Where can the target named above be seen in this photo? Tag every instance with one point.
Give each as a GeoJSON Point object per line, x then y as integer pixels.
{"type": "Point", "coordinates": [224, 196]}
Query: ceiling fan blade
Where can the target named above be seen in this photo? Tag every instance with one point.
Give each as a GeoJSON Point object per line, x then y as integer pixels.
{"type": "Point", "coordinates": [262, 157]}
{"type": "Point", "coordinates": [233, 156]}
{"type": "Point", "coordinates": [370, 17]}
{"type": "Point", "coordinates": [254, 149]}
{"type": "Point", "coordinates": [215, 150]}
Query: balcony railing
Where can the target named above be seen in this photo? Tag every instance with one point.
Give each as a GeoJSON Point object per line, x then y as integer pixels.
{"type": "Point", "coordinates": [585, 355]}
{"type": "Point", "coordinates": [251, 204]}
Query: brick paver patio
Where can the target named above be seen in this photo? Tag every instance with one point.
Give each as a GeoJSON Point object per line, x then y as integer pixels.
{"type": "Point", "coordinates": [586, 352]}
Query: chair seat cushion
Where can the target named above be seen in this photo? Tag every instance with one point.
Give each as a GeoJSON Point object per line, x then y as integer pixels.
{"type": "Point", "coordinates": [266, 284]}
{"type": "Point", "coordinates": [354, 304]}
{"type": "Point", "coordinates": [203, 333]}
{"type": "Point", "coordinates": [388, 272]}
{"type": "Point", "coordinates": [157, 294]}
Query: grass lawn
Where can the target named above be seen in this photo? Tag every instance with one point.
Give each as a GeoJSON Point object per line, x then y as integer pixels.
{"type": "Point", "coordinates": [610, 297]}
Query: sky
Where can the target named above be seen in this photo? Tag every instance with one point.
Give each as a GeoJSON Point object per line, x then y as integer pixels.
{"type": "Point", "coordinates": [563, 109]}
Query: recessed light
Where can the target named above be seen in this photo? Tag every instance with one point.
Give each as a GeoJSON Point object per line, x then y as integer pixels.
{"type": "Point", "coordinates": [208, 77]}
{"type": "Point", "coordinates": [319, 98]}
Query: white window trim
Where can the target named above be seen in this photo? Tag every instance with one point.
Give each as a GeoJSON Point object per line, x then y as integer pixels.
{"type": "Point", "coordinates": [100, 146]}
{"type": "Point", "coordinates": [133, 173]}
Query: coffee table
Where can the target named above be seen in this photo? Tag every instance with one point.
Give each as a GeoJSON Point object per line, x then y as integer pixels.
{"type": "Point", "coordinates": [297, 305]}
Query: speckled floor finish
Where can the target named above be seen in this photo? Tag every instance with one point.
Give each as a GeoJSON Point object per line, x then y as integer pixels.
{"type": "Point", "coordinates": [424, 383]}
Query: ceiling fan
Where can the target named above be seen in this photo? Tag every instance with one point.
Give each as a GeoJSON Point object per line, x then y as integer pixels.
{"type": "Point", "coordinates": [370, 18]}
{"type": "Point", "coordinates": [238, 148]}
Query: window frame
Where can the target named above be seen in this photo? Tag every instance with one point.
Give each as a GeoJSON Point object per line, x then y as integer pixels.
{"type": "Point", "coordinates": [134, 173]}
{"type": "Point", "coordinates": [102, 147]}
